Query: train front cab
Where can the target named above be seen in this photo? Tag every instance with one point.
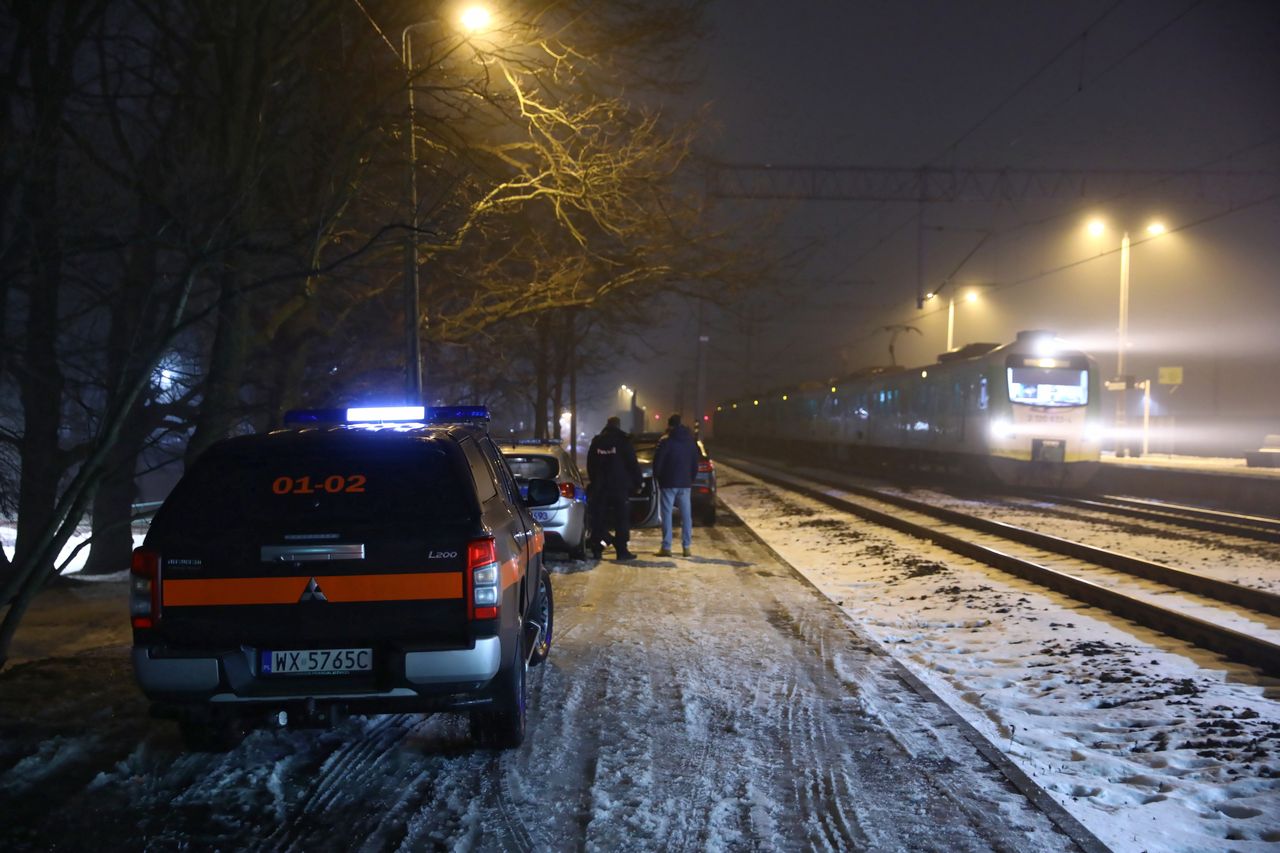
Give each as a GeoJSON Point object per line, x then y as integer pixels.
{"type": "Point", "coordinates": [1044, 428]}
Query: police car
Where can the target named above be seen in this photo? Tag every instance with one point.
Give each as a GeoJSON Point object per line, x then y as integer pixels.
{"type": "Point", "coordinates": [565, 521]}
{"type": "Point", "coordinates": [356, 561]}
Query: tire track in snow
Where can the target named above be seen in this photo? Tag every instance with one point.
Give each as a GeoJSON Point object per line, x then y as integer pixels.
{"type": "Point", "coordinates": [334, 772]}
{"type": "Point", "coordinates": [839, 758]}
{"type": "Point", "coordinates": [819, 787]}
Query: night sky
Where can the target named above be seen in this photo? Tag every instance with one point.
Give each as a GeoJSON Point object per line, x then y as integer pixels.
{"type": "Point", "coordinates": [1137, 84]}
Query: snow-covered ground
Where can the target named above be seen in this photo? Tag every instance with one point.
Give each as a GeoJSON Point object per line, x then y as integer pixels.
{"type": "Point", "coordinates": [1151, 743]}
{"type": "Point", "coordinates": [1248, 562]}
{"type": "Point", "coordinates": [1222, 464]}
{"type": "Point", "coordinates": [711, 703]}
{"type": "Point", "coordinates": [74, 553]}
{"type": "Point", "coordinates": [715, 703]}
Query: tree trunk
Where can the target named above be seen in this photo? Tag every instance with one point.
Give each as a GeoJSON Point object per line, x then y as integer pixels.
{"type": "Point", "coordinates": [112, 513]}
{"type": "Point", "coordinates": [221, 403]}
{"type": "Point", "coordinates": [40, 377]}
{"type": "Point", "coordinates": [112, 517]}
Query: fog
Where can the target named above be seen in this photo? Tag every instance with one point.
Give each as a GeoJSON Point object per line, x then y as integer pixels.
{"type": "Point", "coordinates": [1017, 86]}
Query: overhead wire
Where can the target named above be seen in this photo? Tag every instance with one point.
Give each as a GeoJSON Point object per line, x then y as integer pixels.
{"type": "Point", "coordinates": [376, 28]}
{"type": "Point", "coordinates": [1049, 63]}
{"type": "Point", "coordinates": [1042, 274]}
{"type": "Point", "coordinates": [1079, 39]}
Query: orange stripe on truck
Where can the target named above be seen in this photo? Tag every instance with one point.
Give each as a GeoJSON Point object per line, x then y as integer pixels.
{"type": "Point", "coordinates": [415, 587]}
{"type": "Point", "coordinates": [205, 592]}
{"type": "Point", "coordinates": [510, 572]}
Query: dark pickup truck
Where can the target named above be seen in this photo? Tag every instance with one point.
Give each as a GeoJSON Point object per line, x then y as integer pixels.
{"type": "Point", "coordinates": [351, 567]}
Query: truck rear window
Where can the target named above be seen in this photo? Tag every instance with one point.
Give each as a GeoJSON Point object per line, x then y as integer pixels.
{"type": "Point", "coordinates": [413, 486]}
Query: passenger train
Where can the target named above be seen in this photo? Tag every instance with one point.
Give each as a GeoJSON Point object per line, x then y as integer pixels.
{"type": "Point", "coordinates": [1025, 413]}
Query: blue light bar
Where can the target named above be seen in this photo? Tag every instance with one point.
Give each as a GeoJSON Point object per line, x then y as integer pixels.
{"type": "Point", "coordinates": [457, 414]}
{"type": "Point", "coordinates": [382, 414]}
{"type": "Point", "coordinates": [385, 415]}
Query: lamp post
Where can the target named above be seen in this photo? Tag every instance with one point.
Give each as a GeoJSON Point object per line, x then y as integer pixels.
{"type": "Point", "coordinates": [970, 296]}
{"type": "Point", "coordinates": [627, 396]}
{"type": "Point", "coordinates": [472, 19]}
{"type": "Point", "coordinates": [412, 305]}
{"type": "Point", "coordinates": [1122, 382]}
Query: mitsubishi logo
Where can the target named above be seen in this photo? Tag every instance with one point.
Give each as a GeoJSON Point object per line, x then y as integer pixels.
{"type": "Point", "coordinates": [312, 592]}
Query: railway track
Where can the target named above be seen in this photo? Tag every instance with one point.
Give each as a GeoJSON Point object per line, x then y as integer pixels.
{"type": "Point", "coordinates": [1233, 620]}
{"type": "Point", "coordinates": [1198, 518]}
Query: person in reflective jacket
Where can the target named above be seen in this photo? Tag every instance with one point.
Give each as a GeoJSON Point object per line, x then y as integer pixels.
{"type": "Point", "coordinates": [613, 474]}
{"type": "Point", "coordinates": [675, 467]}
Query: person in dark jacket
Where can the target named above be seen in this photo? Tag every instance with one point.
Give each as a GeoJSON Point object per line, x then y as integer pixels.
{"type": "Point", "coordinates": [613, 474]}
{"type": "Point", "coordinates": [675, 466]}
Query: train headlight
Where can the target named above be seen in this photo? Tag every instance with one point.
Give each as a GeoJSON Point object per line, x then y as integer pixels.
{"type": "Point", "coordinates": [1001, 429]}
{"type": "Point", "coordinates": [1093, 433]}
{"type": "Point", "coordinates": [1044, 346]}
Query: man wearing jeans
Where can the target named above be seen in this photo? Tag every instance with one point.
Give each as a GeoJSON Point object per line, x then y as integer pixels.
{"type": "Point", "coordinates": [675, 466]}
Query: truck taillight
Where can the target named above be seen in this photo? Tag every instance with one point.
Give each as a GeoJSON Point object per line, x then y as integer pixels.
{"type": "Point", "coordinates": [144, 588]}
{"type": "Point", "coordinates": [566, 490]}
{"type": "Point", "coordinates": [706, 466]}
{"type": "Point", "coordinates": [483, 572]}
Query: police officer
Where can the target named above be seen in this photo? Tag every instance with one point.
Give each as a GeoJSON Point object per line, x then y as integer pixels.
{"type": "Point", "coordinates": [614, 474]}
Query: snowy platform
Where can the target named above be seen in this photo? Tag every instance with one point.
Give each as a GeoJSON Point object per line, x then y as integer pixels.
{"type": "Point", "coordinates": [1222, 483]}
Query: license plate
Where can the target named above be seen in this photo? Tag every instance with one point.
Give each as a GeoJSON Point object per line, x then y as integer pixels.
{"type": "Point", "coordinates": [316, 661]}
{"type": "Point", "coordinates": [542, 515]}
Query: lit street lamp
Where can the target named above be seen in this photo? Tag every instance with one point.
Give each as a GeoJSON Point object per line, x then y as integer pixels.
{"type": "Point", "coordinates": [472, 19]}
{"type": "Point", "coordinates": [1122, 382]}
{"type": "Point", "coordinates": [970, 296]}
{"type": "Point", "coordinates": [627, 396]}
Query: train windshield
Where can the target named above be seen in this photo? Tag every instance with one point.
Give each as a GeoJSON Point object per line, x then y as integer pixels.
{"type": "Point", "coordinates": [1048, 386]}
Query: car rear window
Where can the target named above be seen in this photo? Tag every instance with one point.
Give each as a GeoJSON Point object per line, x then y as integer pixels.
{"type": "Point", "coordinates": [413, 485]}
{"type": "Point", "coordinates": [528, 467]}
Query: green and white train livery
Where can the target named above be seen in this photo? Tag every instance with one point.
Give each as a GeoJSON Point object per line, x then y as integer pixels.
{"type": "Point", "coordinates": [1026, 413]}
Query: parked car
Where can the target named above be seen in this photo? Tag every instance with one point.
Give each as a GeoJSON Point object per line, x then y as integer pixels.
{"type": "Point", "coordinates": [645, 510]}
{"type": "Point", "coordinates": [348, 563]}
{"type": "Point", "coordinates": [565, 521]}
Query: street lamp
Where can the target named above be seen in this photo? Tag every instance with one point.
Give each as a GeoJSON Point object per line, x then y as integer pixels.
{"type": "Point", "coordinates": [1097, 228]}
{"type": "Point", "coordinates": [627, 398]}
{"type": "Point", "coordinates": [970, 296]}
{"type": "Point", "coordinates": [472, 19]}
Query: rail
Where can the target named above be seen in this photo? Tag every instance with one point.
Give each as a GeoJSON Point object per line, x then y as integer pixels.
{"type": "Point", "coordinates": [1199, 518]}
{"type": "Point", "coordinates": [1224, 640]}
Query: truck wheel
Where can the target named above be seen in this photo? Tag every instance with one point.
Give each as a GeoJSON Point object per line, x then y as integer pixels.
{"type": "Point", "coordinates": [579, 551]}
{"type": "Point", "coordinates": [504, 726]}
{"type": "Point", "coordinates": [709, 515]}
{"type": "Point", "coordinates": [543, 612]}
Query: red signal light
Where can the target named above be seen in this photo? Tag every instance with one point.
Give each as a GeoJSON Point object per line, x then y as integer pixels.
{"type": "Point", "coordinates": [483, 578]}
{"type": "Point", "coordinates": [481, 552]}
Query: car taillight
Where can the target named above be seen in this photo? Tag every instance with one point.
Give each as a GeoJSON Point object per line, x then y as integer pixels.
{"type": "Point", "coordinates": [144, 588]}
{"type": "Point", "coordinates": [566, 490]}
{"type": "Point", "coordinates": [706, 466]}
{"type": "Point", "coordinates": [484, 573]}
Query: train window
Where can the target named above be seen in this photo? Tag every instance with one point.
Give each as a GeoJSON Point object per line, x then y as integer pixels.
{"type": "Point", "coordinates": [982, 394]}
{"type": "Point", "coordinates": [1052, 386]}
